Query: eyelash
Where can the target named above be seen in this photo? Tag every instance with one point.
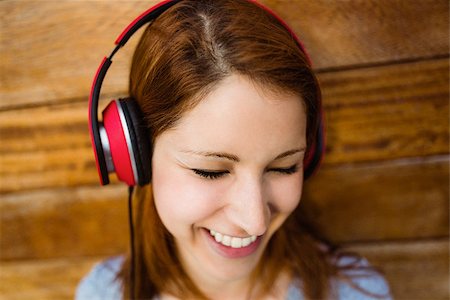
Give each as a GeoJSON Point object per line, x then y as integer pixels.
{"type": "Point", "coordinates": [288, 171]}
{"type": "Point", "coordinates": [215, 175]}
{"type": "Point", "coordinates": [209, 175]}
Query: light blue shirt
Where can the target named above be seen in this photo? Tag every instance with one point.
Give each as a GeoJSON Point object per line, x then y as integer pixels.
{"type": "Point", "coordinates": [101, 283]}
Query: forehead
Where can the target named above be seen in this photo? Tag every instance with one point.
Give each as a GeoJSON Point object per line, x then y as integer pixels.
{"type": "Point", "coordinates": [243, 117]}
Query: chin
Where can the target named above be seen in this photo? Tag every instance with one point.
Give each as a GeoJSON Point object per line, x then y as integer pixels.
{"type": "Point", "coordinates": [233, 270]}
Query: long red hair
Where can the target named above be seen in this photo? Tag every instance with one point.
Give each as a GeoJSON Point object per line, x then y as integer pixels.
{"type": "Point", "coordinates": [181, 56]}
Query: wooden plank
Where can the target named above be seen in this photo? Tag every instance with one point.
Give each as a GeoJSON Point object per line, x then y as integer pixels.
{"type": "Point", "coordinates": [405, 199]}
{"type": "Point", "coordinates": [44, 147]}
{"type": "Point", "coordinates": [387, 112]}
{"type": "Point", "coordinates": [64, 223]}
{"type": "Point", "coordinates": [415, 270]}
{"type": "Point", "coordinates": [69, 38]}
{"type": "Point", "coordinates": [43, 279]}
{"type": "Point", "coordinates": [342, 33]}
{"type": "Point", "coordinates": [380, 113]}
{"type": "Point", "coordinates": [350, 203]}
{"type": "Point", "coordinates": [68, 41]}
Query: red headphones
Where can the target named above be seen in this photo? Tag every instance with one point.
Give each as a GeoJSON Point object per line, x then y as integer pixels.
{"type": "Point", "coordinates": [121, 143]}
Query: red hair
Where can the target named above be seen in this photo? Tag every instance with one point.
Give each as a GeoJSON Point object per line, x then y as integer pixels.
{"type": "Point", "coordinates": [181, 56]}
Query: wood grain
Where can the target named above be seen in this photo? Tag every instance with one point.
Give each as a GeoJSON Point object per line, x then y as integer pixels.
{"type": "Point", "coordinates": [405, 200]}
{"type": "Point", "coordinates": [382, 113]}
{"type": "Point", "coordinates": [414, 270]}
{"type": "Point", "coordinates": [342, 33]}
{"type": "Point", "coordinates": [46, 147]}
{"type": "Point", "coordinates": [51, 49]}
{"type": "Point", "coordinates": [387, 112]}
{"type": "Point", "coordinates": [43, 279]}
{"type": "Point", "coordinates": [68, 41]}
{"type": "Point", "coordinates": [64, 223]}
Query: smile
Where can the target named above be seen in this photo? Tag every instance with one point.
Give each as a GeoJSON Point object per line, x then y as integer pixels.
{"type": "Point", "coordinates": [232, 241]}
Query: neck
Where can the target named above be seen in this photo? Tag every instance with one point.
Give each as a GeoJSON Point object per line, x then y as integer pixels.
{"type": "Point", "coordinates": [222, 289]}
{"type": "Point", "coordinates": [241, 288]}
{"type": "Point", "coordinates": [236, 292]}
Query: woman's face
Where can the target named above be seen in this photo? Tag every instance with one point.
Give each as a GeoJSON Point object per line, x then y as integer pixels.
{"type": "Point", "coordinates": [228, 175]}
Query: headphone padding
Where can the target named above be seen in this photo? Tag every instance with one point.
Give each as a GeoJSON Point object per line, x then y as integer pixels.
{"type": "Point", "coordinates": [140, 139]}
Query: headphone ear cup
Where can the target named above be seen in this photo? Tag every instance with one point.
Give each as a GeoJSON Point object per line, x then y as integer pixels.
{"type": "Point", "coordinates": [125, 143]}
{"type": "Point", "coordinates": [140, 139]}
{"type": "Point", "coordinates": [314, 156]}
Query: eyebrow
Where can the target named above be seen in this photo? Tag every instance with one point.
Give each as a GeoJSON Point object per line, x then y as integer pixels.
{"type": "Point", "coordinates": [233, 157]}
{"type": "Point", "coordinates": [289, 153]}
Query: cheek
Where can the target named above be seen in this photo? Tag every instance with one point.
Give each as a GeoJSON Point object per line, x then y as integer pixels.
{"type": "Point", "coordinates": [287, 193]}
{"type": "Point", "coordinates": [181, 199]}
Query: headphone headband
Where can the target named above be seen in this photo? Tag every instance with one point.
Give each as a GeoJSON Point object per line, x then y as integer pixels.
{"type": "Point", "coordinates": [101, 149]}
{"type": "Point", "coordinates": [94, 128]}
{"type": "Point", "coordinates": [146, 17]}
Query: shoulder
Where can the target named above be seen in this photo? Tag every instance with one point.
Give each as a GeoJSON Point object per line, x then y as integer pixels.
{"type": "Point", "coordinates": [102, 281]}
{"type": "Point", "coordinates": [358, 280]}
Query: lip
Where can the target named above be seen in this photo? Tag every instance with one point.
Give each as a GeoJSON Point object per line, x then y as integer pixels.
{"type": "Point", "coordinates": [230, 252]}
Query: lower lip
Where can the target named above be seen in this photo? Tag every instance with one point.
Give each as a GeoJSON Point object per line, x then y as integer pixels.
{"type": "Point", "coordinates": [230, 252]}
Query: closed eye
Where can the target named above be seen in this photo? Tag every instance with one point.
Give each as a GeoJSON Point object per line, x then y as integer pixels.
{"type": "Point", "coordinates": [217, 174]}
{"type": "Point", "coordinates": [208, 174]}
{"type": "Point", "coordinates": [290, 170]}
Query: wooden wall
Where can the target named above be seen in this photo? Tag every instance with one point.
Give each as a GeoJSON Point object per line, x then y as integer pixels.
{"type": "Point", "coordinates": [383, 189]}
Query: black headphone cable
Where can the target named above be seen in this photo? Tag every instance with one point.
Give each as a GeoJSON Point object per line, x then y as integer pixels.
{"type": "Point", "coordinates": [131, 225]}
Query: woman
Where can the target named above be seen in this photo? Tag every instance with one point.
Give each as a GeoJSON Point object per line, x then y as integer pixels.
{"type": "Point", "coordinates": [232, 107]}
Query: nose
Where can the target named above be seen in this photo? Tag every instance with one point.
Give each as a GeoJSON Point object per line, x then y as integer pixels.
{"type": "Point", "coordinates": [248, 207]}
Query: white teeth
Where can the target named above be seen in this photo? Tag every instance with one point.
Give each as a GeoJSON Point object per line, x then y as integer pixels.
{"type": "Point", "coordinates": [230, 241]}
{"type": "Point", "coordinates": [218, 237]}
{"type": "Point", "coordinates": [246, 241]}
{"type": "Point", "coordinates": [226, 240]}
{"type": "Point", "coordinates": [236, 242]}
